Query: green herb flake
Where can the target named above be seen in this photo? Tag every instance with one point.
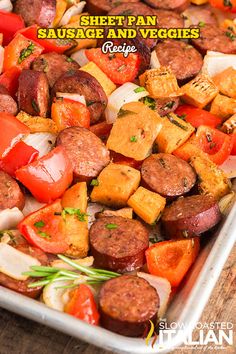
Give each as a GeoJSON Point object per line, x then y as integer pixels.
{"type": "Point", "coordinates": [201, 24]}
{"type": "Point", "coordinates": [26, 52]}
{"type": "Point", "coordinates": [39, 224]}
{"type": "Point", "coordinates": [133, 139]}
{"type": "Point", "coordinates": [44, 235]}
{"type": "Point", "coordinates": [35, 106]}
{"type": "Point", "coordinates": [230, 35]}
{"type": "Point", "coordinates": [169, 105]}
{"type": "Point", "coordinates": [90, 103]}
{"type": "Point", "coordinates": [111, 226]}
{"type": "Point", "coordinates": [69, 60]}
{"type": "Point", "coordinates": [183, 116]}
{"type": "Point", "coordinates": [139, 89]}
{"type": "Point", "coordinates": [94, 183]}
{"type": "Point", "coordinates": [175, 122]}
{"type": "Point", "coordinates": [72, 211]}
{"type": "Point", "coordinates": [150, 102]}
{"type": "Point", "coordinates": [124, 112]}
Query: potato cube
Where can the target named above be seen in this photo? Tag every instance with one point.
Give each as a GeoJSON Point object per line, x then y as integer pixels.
{"type": "Point", "coordinates": [124, 212]}
{"type": "Point", "coordinates": [174, 133]}
{"type": "Point", "coordinates": [199, 2]}
{"type": "Point", "coordinates": [226, 82]}
{"type": "Point", "coordinates": [223, 106]}
{"type": "Point", "coordinates": [147, 205]}
{"type": "Point", "coordinates": [37, 124]}
{"type": "Point", "coordinates": [212, 179]}
{"type": "Point", "coordinates": [160, 83]}
{"type": "Point", "coordinates": [229, 125]}
{"type": "Point", "coordinates": [134, 131]}
{"type": "Point", "coordinates": [107, 85]}
{"type": "Point", "coordinates": [116, 183]}
{"type": "Point", "coordinates": [200, 91]}
{"type": "Point", "coordinates": [76, 229]}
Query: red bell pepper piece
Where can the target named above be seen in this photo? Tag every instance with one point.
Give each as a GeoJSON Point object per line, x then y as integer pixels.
{"type": "Point", "coordinates": [44, 229]}
{"type": "Point", "coordinates": [11, 131]}
{"type": "Point", "coordinates": [172, 259]}
{"type": "Point", "coordinates": [9, 79]}
{"type": "Point", "coordinates": [50, 45]}
{"type": "Point", "coordinates": [48, 177]}
{"type": "Point", "coordinates": [229, 6]}
{"type": "Point", "coordinates": [20, 155]}
{"type": "Point", "coordinates": [233, 151]}
{"type": "Point", "coordinates": [20, 52]}
{"type": "Point", "coordinates": [197, 116]}
{"type": "Point", "coordinates": [123, 160]}
{"type": "Point", "coordinates": [118, 68]}
{"type": "Point", "coordinates": [10, 23]}
{"type": "Point", "coordinates": [82, 305]}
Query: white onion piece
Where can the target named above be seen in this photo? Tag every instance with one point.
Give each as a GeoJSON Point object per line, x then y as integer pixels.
{"type": "Point", "coordinates": [93, 209]}
{"type": "Point", "coordinates": [13, 262]}
{"type": "Point", "coordinates": [155, 64]}
{"type": "Point", "coordinates": [226, 202]}
{"type": "Point", "coordinates": [216, 62]}
{"type": "Point", "coordinates": [1, 58]}
{"type": "Point", "coordinates": [74, 10]}
{"type": "Point", "coordinates": [54, 295]}
{"type": "Point", "coordinates": [43, 142]}
{"type": "Point", "coordinates": [162, 287]}
{"type": "Point", "coordinates": [31, 205]}
{"type": "Point", "coordinates": [10, 218]}
{"type": "Point", "coordinates": [124, 94]}
{"type": "Point", "coordinates": [72, 96]}
{"type": "Point", "coordinates": [229, 167]}
{"type": "Point", "coordinates": [6, 5]}
{"type": "Point", "coordinates": [80, 57]}
{"type": "Point", "coordinates": [87, 262]}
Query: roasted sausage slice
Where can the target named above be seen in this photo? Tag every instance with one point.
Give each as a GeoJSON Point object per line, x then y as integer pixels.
{"type": "Point", "coordinates": [127, 304]}
{"type": "Point", "coordinates": [183, 59]}
{"type": "Point", "coordinates": [10, 193]}
{"type": "Point", "coordinates": [118, 243]}
{"type": "Point", "coordinates": [190, 216]}
{"type": "Point", "coordinates": [169, 19]}
{"type": "Point", "coordinates": [86, 85]}
{"type": "Point", "coordinates": [174, 5]}
{"type": "Point", "coordinates": [168, 175]}
{"type": "Point", "coordinates": [215, 39]}
{"type": "Point", "coordinates": [41, 12]}
{"type": "Point", "coordinates": [86, 152]}
{"type": "Point", "coordinates": [7, 103]}
{"type": "Point", "coordinates": [33, 93]}
{"type": "Point", "coordinates": [54, 65]}
{"type": "Point", "coordinates": [101, 7]}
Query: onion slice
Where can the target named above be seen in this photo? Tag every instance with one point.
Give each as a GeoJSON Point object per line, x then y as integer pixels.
{"type": "Point", "coordinates": [6, 5]}
{"type": "Point", "coordinates": [129, 92]}
{"type": "Point", "coordinates": [54, 296]}
{"type": "Point", "coordinates": [155, 64]}
{"type": "Point", "coordinates": [162, 287]}
{"type": "Point", "coordinates": [226, 202]}
{"type": "Point", "coordinates": [216, 62]}
{"type": "Point", "coordinates": [72, 96]}
{"type": "Point", "coordinates": [13, 262]}
{"type": "Point", "coordinates": [80, 57]}
{"type": "Point", "coordinates": [9, 218]}
{"type": "Point", "coordinates": [86, 262]}
{"type": "Point", "coordinates": [74, 10]}
{"type": "Point", "coordinates": [43, 142]}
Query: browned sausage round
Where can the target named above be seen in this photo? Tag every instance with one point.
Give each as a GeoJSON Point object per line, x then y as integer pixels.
{"type": "Point", "coordinates": [183, 59]}
{"type": "Point", "coordinates": [169, 19]}
{"type": "Point", "coordinates": [127, 304]}
{"type": "Point", "coordinates": [10, 193]}
{"type": "Point", "coordinates": [190, 216]}
{"type": "Point", "coordinates": [168, 175]}
{"type": "Point", "coordinates": [22, 286]}
{"type": "Point", "coordinates": [203, 13]}
{"type": "Point", "coordinates": [101, 7]}
{"type": "Point", "coordinates": [175, 5]}
{"type": "Point", "coordinates": [85, 150]}
{"type": "Point", "coordinates": [33, 93]}
{"type": "Point", "coordinates": [54, 65]}
{"type": "Point", "coordinates": [41, 12]}
{"type": "Point", "coordinates": [215, 39]}
{"type": "Point", "coordinates": [7, 103]}
{"type": "Point", "coordinates": [86, 85]}
{"type": "Point", "coordinates": [118, 243]}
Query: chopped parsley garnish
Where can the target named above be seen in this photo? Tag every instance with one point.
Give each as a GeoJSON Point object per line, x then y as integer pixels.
{"type": "Point", "coordinates": [133, 139]}
{"type": "Point", "coordinates": [94, 183]}
{"type": "Point", "coordinates": [69, 60]}
{"type": "Point", "coordinates": [175, 122]}
{"type": "Point", "coordinates": [183, 116]}
{"type": "Point", "coordinates": [169, 105]}
{"type": "Point", "coordinates": [111, 226]}
{"type": "Point", "coordinates": [150, 102]}
{"type": "Point", "coordinates": [35, 106]}
{"type": "Point", "coordinates": [230, 35]}
{"type": "Point", "coordinates": [201, 24]}
{"type": "Point", "coordinates": [124, 112]}
{"type": "Point", "coordinates": [72, 211]}
{"type": "Point", "coordinates": [39, 224]}
{"type": "Point", "coordinates": [90, 103]}
{"type": "Point", "coordinates": [26, 52]}
{"type": "Point", "coordinates": [139, 89]}
{"type": "Point", "coordinates": [44, 235]}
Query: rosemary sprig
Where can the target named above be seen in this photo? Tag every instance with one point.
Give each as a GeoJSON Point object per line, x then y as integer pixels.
{"type": "Point", "coordinates": [52, 274]}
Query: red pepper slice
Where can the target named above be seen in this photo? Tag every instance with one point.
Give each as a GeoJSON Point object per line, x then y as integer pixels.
{"type": "Point", "coordinates": [82, 305]}
{"type": "Point", "coordinates": [233, 151]}
{"type": "Point", "coordinates": [197, 116]}
{"type": "Point", "coordinates": [118, 68]}
{"type": "Point", "coordinates": [48, 177]}
{"type": "Point", "coordinates": [45, 229]}
{"type": "Point", "coordinates": [50, 45]}
{"type": "Point", "coordinates": [123, 160]}
{"type": "Point", "coordinates": [20, 155]}
{"type": "Point", "coordinates": [9, 79]}
{"type": "Point", "coordinates": [10, 23]}
{"type": "Point", "coordinates": [225, 5]}
{"type": "Point", "coordinates": [11, 131]}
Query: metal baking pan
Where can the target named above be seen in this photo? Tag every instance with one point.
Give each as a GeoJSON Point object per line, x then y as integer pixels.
{"type": "Point", "coordinates": [185, 309]}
